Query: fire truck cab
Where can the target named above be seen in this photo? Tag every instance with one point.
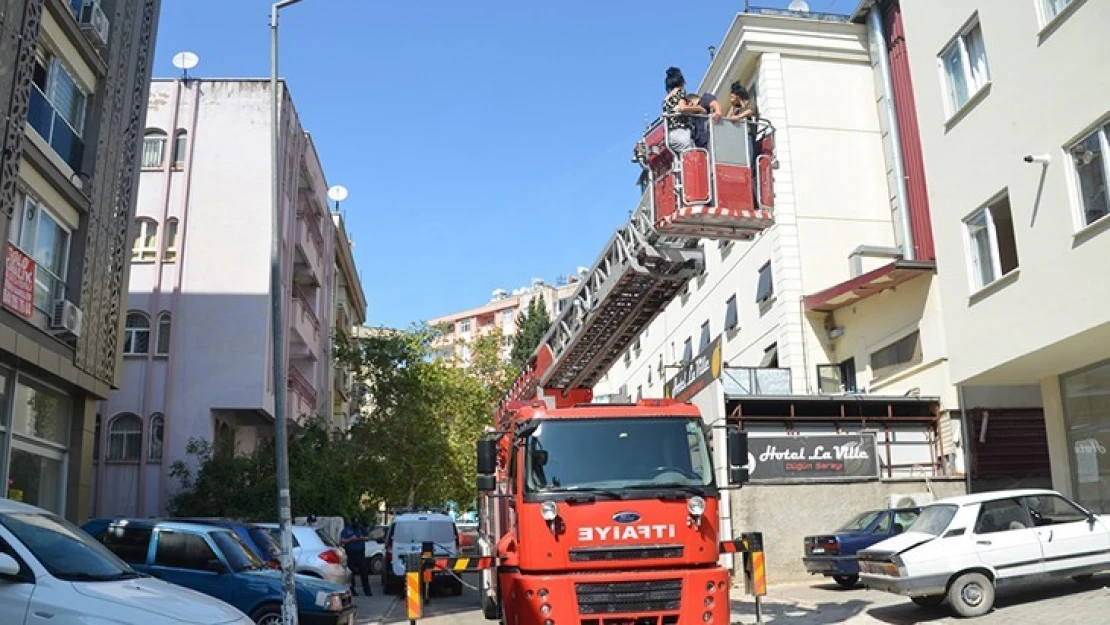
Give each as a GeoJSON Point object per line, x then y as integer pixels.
{"type": "Point", "coordinates": [724, 190]}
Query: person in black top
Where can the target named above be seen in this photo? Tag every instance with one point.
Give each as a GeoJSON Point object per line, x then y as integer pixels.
{"type": "Point", "coordinates": [707, 105]}
{"type": "Point", "coordinates": [676, 108]}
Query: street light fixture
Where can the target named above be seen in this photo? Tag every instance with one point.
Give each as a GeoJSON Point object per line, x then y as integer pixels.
{"type": "Point", "coordinates": [285, 514]}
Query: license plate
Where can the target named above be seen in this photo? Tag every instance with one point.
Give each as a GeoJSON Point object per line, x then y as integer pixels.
{"type": "Point", "coordinates": [818, 551]}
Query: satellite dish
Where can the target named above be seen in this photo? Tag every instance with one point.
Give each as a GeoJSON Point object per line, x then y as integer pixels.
{"type": "Point", "coordinates": [338, 193]}
{"type": "Point", "coordinates": [185, 60]}
{"type": "Point", "coordinates": [799, 5]}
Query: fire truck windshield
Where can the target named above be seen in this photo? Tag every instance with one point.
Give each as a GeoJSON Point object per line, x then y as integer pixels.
{"type": "Point", "coordinates": [583, 454]}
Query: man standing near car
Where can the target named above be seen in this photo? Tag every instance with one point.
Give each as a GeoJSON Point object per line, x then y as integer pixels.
{"type": "Point", "coordinates": [353, 539]}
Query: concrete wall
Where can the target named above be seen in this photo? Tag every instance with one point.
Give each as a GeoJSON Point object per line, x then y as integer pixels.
{"type": "Point", "coordinates": [777, 511]}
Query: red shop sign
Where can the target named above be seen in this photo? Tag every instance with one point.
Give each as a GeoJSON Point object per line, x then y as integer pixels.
{"type": "Point", "coordinates": [19, 282]}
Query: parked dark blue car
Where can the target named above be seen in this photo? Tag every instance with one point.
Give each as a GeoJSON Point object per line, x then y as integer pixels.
{"type": "Point", "coordinates": [215, 561]}
{"type": "Point", "coordinates": [258, 539]}
{"type": "Point", "coordinates": [834, 555]}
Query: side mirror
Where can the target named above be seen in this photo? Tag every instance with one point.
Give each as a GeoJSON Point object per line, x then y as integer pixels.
{"type": "Point", "coordinates": [487, 483]}
{"type": "Point", "coordinates": [737, 456]}
{"type": "Point", "coordinates": [8, 566]}
{"type": "Point", "coordinates": [487, 456]}
{"type": "Point", "coordinates": [217, 567]}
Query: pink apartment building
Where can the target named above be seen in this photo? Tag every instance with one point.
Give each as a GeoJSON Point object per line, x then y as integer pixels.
{"type": "Point", "coordinates": [197, 340]}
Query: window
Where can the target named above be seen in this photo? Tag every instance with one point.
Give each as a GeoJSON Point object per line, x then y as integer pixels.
{"type": "Point", "coordinates": [57, 109]}
{"type": "Point", "coordinates": [96, 439]}
{"type": "Point", "coordinates": [766, 289]}
{"type": "Point", "coordinates": [170, 254]}
{"type": "Point", "coordinates": [40, 411]}
{"type": "Point", "coordinates": [770, 357]}
{"type": "Point", "coordinates": [687, 351]}
{"type": "Point", "coordinates": [43, 237]}
{"type": "Point", "coordinates": [1085, 394]}
{"type": "Point", "coordinates": [154, 149]}
{"type": "Point", "coordinates": [144, 248]}
{"type": "Point", "coordinates": [732, 315]}
{"type": "Point", "coordinates": [129, 543]}
{"type": "Point", "coordinates": [1091, 173]}
{"type": "Point", "coordinates": [136, 334]}
{"type": "Point", "coordinates": [964, 63]}
{"type": "Point", "coordinates": [183, 551]}
{"type": "Point", "coordinates": [1051, 8]}
{"type": "Point", "coordinates": [837, 378]}
{"type": "Point", "coordinates": [506, 317]}
{"type": "Point", "coordinates": [1053, 510]}
{"type": "Point", "coordinates": [991, 243]}
{"type": "Point", "coordinates": [627, 358]}
{"type": "Point", "coordinates": [180, 143]}
{"type": "Point", "coordinates": [157, 429]}
{"type": "Point", "coordinates": [903, 520]}
{"type": "Point", "coordinates": [1001, 516]}
{"type": "Point", "coordinates": [703, 342]}
{"type": "Point", "coordinates": [883, 526]}
{"type": "Point", "coordinates": [162, 346]}
{"type": "Point", "coordinates": [464, 326]}
{"type": "Point", "coordinates": [905, 351]}
{"type": "Point", "coordinates": [125, 438]}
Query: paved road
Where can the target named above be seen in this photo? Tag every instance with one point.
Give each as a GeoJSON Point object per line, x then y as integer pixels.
{"type": "Point", "coordinates": [1065, 603]}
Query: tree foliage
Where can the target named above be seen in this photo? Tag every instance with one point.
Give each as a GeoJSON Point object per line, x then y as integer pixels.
{"type": "Point", "coordinates": [531, 326]}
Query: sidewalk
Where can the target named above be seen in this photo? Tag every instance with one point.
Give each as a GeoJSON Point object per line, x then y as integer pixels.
{"type": "Point", "coordinates": [817, 603]}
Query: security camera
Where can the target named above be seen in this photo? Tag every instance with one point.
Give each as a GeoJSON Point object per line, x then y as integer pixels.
{"type": "Point", "coordinates": [1043, 159]}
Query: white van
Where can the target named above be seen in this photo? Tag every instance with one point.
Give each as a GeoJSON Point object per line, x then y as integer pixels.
{"type": "Point", "coordinates": [407, 535]}
{"type": "Point", "coordinates": [52, 571]}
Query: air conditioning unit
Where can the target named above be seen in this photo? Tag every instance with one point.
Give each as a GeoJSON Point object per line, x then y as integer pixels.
{"type": "Point", "coordinates": [911, 500]}
{"type": "Point", "coordinates": [94, 23]}
{"type": "Point", "coordinates": [67, 318]}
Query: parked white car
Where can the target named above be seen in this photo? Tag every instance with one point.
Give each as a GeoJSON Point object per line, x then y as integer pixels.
{"type": "Point", "coordinates": [375, 549]}
{"type": "Point", "coordinates": [960, 549]}
{"type": "Point", "coordinates": [407, 535]}
{"type": "Point", "coordinates": [52, 572]}
{"type": "Point", "coordinates": [316, 554]}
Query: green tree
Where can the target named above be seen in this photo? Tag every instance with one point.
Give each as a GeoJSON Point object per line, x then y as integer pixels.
{"type": "Point", "coordinates": [531, 326]}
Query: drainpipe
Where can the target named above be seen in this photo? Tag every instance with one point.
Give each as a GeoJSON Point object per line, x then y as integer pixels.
{"type": "Point", "coordinates": [882, 57]}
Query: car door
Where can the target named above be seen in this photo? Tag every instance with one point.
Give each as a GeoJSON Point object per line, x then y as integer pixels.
{"type": "Point", "coordinates": [1069, 539]}
{"type": "Point", "coordinates": [187, 559]}
{"type": "Point", "coordinates": [15, 590]}
{"type": "Point", "coordinates": [1006, 540]}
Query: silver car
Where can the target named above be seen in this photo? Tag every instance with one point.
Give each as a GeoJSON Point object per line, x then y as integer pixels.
{"type": "Point", "coordinates": [315, 553]}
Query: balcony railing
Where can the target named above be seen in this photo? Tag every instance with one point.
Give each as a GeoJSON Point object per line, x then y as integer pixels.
{"type": "Point", "coordinates": [54, 129]}
{"type": "Point", "coordinates": [307, 314]}
{"type": "Point", "coordinates": [757, 381]}
{"type": "Point", "coordinates": [301, 386]}
{"type": "Point", "coordinates": [312, 225]}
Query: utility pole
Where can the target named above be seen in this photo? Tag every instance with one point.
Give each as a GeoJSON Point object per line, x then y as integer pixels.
{"type": "Point", "coordinates": [281, 435]}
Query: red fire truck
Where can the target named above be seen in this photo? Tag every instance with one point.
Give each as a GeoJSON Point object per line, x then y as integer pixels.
{"type": "Point", "coordinates": [607, 514]}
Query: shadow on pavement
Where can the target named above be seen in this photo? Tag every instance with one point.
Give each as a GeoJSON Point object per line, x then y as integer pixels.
{"type": "Point", "coordinates": [1007, 599]}
{"type": "Point", "coordinates": [778, 611]}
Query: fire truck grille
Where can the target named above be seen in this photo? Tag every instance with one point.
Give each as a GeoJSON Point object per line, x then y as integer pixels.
{"type": "Point", "coordinates": [629, 597]}
{"type": "Point", "coordinates": [610, 554]}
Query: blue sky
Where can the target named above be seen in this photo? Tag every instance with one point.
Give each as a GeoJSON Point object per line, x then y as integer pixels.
{"type": "Point", "coordinates": [484, 143]}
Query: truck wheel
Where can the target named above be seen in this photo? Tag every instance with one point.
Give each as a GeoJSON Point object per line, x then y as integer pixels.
{"type": "Point", "coordinates": [377, 565]}
{"type": "Point", "coordinates": [972, 594]}
{"type": "Point", "coordinates": [846, 581]}
{"type": "Point", "coordinates": [929, 601]}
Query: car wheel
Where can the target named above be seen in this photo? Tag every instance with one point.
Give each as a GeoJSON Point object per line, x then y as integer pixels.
{"type": "Point", "coordinates": [269, 614]}
{"type": "Point", "coordinates": [377, 565]}
{"type": "Point", "coordinates": [929, 601]}
{"type": "Point", "coordinates": [490, 608]}
{"type": "Point", "coordinates": [972, 594]}
{"type": "Point", "coordinates": [846, 581]}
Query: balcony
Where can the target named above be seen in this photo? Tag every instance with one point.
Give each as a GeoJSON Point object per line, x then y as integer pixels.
{"type": "Point", "coordinates": [55, 130]}
{"type": "Point", "coordinates": [306, 327]}
{"type": "Point", "coordinates": [302, 389]}
{"type": "Point", "coordinates": [757, 381]}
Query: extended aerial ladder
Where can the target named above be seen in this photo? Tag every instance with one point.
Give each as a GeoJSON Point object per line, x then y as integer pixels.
{"type": "Point", "coordinates": [723, 191]}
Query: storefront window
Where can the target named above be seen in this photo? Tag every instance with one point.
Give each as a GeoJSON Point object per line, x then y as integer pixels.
{"type": "Point", "coordinates": [1087, 408]}
{"type": "Point", "coordinates": [41, 412]}
{"type": "Point", "coordinates": [35, 479]}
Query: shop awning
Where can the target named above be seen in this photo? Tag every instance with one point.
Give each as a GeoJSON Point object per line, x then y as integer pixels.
{"type": "Point", "coordinates": [864, 286]}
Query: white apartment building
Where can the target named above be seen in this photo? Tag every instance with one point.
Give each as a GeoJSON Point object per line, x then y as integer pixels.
{"type": "Point", "coordinates": [828, 323]}
{"type": "Point", "coordinates": [501, 313]}
{"type": "Point", "coordinates": [348, 313]}
{"type": "Point", "coordinates": [1014, 109]}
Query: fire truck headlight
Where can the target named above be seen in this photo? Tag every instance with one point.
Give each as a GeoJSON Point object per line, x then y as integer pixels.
{"type": "Point", "coordinates": [696, 505]}
{"type": "Point", "coordinates": [549, 510]}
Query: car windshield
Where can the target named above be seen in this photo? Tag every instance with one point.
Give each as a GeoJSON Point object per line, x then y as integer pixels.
{"type": "Point", "coordinates": [63, 549]}
{"type": "Point", "coordinates": [860, 523]}
{"type": "Point", "coordinates": [584, 454]}
{"type": "Point", "coordinates": [265, 541]}
{"type": "Point", "coordinates": [441, 533]}
{"type": "Point", "coordinates": [934, 519]}
{"type": "Point", "coordinates": [239, 556]}
{"type": "Point", "coordinates": [326, 539]}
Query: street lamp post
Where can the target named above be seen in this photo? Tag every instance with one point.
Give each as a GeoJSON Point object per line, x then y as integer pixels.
{"type": "Point", "coordinates": [285, 513]}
